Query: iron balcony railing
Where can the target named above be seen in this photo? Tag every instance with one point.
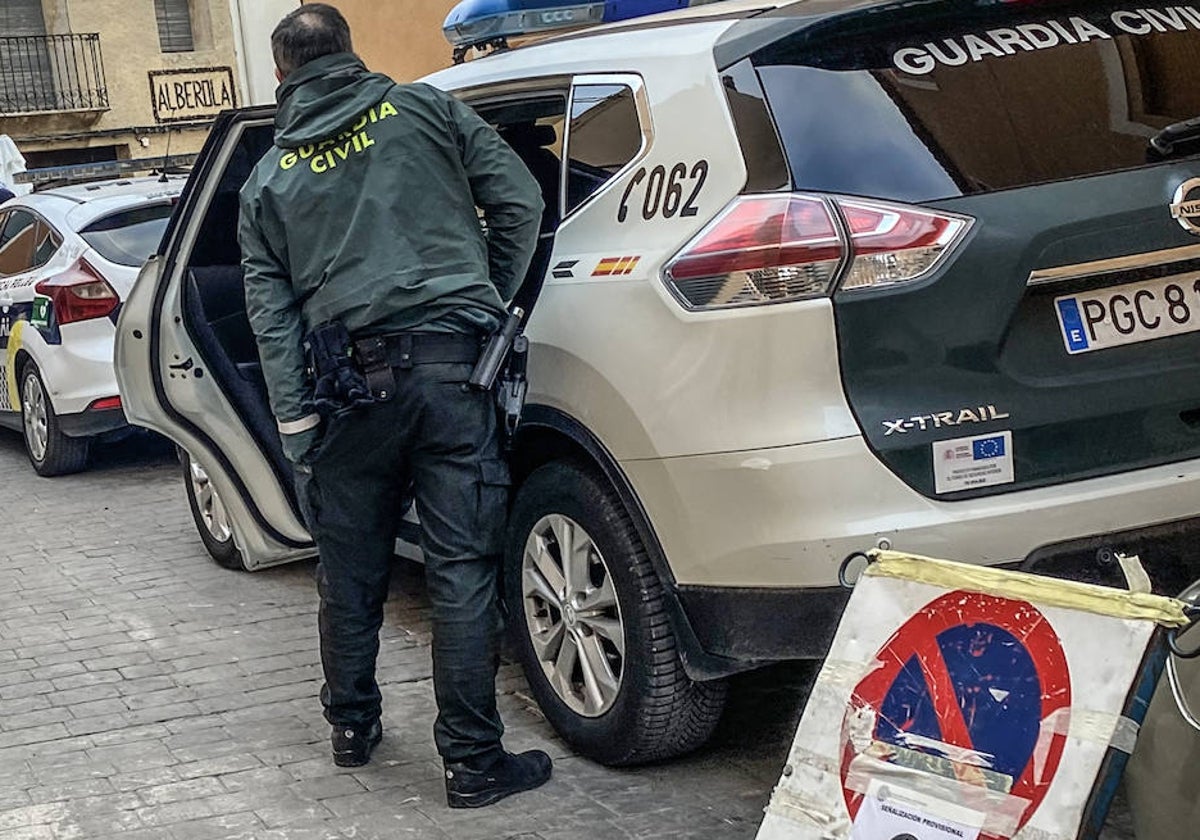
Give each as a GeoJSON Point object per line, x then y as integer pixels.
{"type": "Point", "coordinates": [51, 73]}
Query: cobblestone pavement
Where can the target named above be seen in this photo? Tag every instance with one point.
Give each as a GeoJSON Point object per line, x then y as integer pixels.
{"type": "Point", "coordinates": [147, 693]}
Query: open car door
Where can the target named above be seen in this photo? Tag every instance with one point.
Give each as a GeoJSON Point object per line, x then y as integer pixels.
{"type": "Point", "coordinates": [187, 362]}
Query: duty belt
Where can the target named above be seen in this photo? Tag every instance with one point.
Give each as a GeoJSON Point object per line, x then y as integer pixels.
{"type": "Point", "coordinates": [380, 353]}
{"type": "Point", "coordinates": [406, 349]}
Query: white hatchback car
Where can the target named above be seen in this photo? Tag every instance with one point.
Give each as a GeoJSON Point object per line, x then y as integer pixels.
{"type": "Point", "coordinates": [812, 276]}
{"type": "Point", "coordinates": [68, 258]}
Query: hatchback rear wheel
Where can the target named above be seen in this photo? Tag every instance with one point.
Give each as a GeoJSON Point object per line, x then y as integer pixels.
{"type": "Point", "coordinates": [50, 451]}
{"type": "Point", "coordinates": [589, 616]}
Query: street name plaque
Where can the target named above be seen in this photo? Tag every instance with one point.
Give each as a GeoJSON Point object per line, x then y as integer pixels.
{"type": "Point", "coordinates": [191, 94]}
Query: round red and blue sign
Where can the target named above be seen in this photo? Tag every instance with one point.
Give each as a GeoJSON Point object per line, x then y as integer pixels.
{"type": "Point", "coordinates": [970, 672]}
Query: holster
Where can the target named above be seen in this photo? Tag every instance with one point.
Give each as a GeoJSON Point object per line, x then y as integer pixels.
{"type": "Point", "coordinates": [512, 386]}
{"type": "Point", "coordinates": [338, 386]}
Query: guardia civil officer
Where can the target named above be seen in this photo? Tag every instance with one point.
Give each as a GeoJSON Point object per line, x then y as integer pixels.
{"type": "Point", "coordinates": [360, 240]}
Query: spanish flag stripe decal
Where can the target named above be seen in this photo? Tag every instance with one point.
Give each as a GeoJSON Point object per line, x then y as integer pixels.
{"type": "Point", "coordinates": [610, 266]}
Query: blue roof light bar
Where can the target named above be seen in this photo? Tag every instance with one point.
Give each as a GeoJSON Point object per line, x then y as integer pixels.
{"type": "Point", "coordinates": [477, 23]}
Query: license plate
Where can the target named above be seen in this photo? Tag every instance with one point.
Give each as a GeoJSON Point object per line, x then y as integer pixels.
{"type": "Point", "coordinates": [1129, 314]}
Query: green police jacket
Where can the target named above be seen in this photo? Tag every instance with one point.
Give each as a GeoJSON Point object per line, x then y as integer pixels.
{"type": "Point", "coordinates": [365, 212]}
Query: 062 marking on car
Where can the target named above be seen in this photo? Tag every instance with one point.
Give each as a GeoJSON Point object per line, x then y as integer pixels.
{"type": "Point", "coordinates": [663, 194]}
{"type": "Point", "coordinates": [938, 420]}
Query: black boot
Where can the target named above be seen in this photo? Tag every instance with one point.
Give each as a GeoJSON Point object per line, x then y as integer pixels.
{"type": "Point", "coordinates": [469, 786]}
{"type": "Point", "coordinates": [352, 747]}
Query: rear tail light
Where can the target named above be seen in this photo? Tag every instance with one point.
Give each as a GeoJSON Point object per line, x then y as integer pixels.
{"type": "Point", "coordinates": [786, 247]}
{"type": "Point", "coordinates": [894, 243]}
{"type": "Point", "coordinates": [78, 294]}
{"type": "Point", "coordinates": [761, 249]}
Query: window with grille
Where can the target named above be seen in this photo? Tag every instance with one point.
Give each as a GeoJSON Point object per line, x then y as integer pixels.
{"type": "Point", "coordinates": [174, 25]}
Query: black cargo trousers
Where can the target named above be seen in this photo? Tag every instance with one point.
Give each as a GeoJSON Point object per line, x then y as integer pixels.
{"type": "Point", "coordinates": [444, 438]}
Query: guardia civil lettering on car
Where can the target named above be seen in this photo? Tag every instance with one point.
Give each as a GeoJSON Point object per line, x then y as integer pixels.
{"type": "Point", "coordinates": [811, 276]}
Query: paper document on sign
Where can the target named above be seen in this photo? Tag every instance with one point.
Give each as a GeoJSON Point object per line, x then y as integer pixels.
{"type": "Point", "coordinates": [889, 812]}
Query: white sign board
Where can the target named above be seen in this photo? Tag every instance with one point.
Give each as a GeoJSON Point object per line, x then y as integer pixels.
{"type": "Point", "coordinates": [958, 714]}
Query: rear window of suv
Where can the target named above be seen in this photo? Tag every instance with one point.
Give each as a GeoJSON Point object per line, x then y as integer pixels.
{"type": "Point", "coordinates": [922, 105]}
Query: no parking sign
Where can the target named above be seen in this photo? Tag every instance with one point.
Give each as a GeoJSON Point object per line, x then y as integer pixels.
{"type": "Point", "coordinates": [960, 703]}
{"type": "Point", "coordinates": [980, 678]}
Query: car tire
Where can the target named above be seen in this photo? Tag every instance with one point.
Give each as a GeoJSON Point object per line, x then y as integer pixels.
{"type": "Point", "coordinates": [654, 710]}
{"type": "Point", "coordinates": [210, 516]}
{"type": "Point", "coordinates": [50, 451]}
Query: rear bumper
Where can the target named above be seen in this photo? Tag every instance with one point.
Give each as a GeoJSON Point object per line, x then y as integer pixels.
{"type": "Point", "coordinates": [753, 540]}
{"type": "Point", "coordinates": [1170, 553]}
{"type": "Point", "coordinates": [785, 518]}
{"type": "Point", "coordinates": [742, 627]}
{"type": "Point", "coordinates": [79, 370]}
{"type": "Point", "coordinates": [88, 423]}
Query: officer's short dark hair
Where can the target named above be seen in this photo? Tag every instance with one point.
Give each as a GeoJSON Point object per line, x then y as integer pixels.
{"type": "Point", "coordinates": [313, 30]}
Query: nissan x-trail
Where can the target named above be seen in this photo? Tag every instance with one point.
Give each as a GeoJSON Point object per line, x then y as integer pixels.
{"type": "Point", "coordinates": [812, 277]}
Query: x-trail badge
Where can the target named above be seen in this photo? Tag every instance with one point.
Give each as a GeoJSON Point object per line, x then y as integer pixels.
{"type": "Point", "coordinates": [1185, 206]}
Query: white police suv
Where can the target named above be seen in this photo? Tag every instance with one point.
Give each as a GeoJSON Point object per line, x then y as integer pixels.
{"type": "Point", "coordinates": [68, 257]}
{"type": "Point", "coordinates": [813, 276]}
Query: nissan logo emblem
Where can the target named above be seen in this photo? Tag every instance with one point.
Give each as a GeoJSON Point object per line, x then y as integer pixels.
{"type": "Point", "coordinates": [1185, 206]}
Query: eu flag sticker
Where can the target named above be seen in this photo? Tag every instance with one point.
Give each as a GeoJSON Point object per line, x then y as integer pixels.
{"type": "Point", "coordinates": [973, 462]}
{"type": "Point", "coordinates": [989, 447]}
{"type": "Point", "coordinates": [1072, 325]}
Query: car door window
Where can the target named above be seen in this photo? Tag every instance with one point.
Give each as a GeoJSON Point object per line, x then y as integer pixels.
{"type": "Point", "coordinates": [18, 243]}
{"type": "Point", "coordinates": [534, 126]}
{"type": "Point", "coordinates": [46, 244]}
{"type": "Point", "coordinates": [605, 135]}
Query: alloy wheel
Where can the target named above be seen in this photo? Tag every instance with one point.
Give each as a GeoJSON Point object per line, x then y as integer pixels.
{"type": "Point", "coordinates": [212, 509]}
{"type": "Point", "coordinates": [35, 411]}
{"type": "Point", "coordinates": [572, 615]}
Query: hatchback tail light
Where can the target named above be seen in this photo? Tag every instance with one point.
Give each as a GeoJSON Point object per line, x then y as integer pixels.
{"type": "Point", "coordinates": [78, 294]}
{"type": "Point", "coordinates": [786, 247]}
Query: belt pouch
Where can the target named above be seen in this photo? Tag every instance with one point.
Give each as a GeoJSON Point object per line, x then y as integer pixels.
{"type": "Point", "coordinates": [377, 367]}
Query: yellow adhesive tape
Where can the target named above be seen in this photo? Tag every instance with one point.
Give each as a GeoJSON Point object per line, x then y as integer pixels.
{"type": "Point", "coordinates": [1085, 597]}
